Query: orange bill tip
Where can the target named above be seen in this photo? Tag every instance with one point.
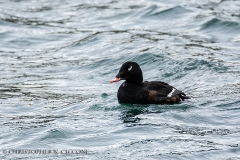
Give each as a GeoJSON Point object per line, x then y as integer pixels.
{"type": "Point", "coordinates": [115, 80]}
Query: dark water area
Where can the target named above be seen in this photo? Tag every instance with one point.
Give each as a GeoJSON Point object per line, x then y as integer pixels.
{"type": "Point", "coordinates": [57, 58]}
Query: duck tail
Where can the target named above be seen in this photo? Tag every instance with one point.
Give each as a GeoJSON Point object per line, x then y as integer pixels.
{"type": "Point", "coordinates": [183, 96]}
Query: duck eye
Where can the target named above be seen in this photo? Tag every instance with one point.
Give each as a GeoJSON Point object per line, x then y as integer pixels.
{"type": "Point", "coordinates": [130, 68]}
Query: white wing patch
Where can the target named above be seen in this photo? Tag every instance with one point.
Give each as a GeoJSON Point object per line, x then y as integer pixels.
{"type": "Point", "coordinates": [130, 68]}
{"type": "Point", "coordinates": [170, 94]}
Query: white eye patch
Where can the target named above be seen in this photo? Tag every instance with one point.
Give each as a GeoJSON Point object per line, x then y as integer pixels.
{"type": "Point", "coordinates": [130, 68]}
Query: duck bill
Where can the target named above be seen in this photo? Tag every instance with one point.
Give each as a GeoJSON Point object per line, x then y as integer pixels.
{"type": "Point", "coordinates": [115, 80]}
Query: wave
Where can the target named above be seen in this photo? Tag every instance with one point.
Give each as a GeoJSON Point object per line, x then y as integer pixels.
{"type": "Point", "coordinates": [222, 29]}
{"type": "Point", "coordinates": [155, 11]}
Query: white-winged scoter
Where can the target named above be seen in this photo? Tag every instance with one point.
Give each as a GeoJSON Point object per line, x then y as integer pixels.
{"type": "Point", "coordinates": [134, 90]}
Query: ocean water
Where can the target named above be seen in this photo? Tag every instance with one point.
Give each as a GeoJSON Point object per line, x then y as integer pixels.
{"type": "Point", "coordinates": [57, 58]}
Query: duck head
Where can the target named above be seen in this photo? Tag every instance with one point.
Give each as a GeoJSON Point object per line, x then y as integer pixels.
{"type": "Point", "coordinates": [131, 72]}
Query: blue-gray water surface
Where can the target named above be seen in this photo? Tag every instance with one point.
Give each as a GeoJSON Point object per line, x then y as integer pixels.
{"type": "Point", "coordinates": [57, 58]}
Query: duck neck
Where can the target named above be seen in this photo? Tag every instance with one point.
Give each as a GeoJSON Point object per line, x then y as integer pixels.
{"type": "Point", "coordinates": [135, 81]}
